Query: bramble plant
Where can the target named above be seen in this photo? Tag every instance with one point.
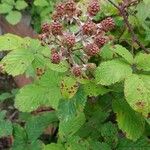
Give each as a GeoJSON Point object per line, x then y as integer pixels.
{"type": "Point", "coordinates": [91, 91]}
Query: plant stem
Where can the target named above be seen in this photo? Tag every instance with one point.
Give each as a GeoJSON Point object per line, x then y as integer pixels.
{"type": "Point", "coordinates": [129, 26]}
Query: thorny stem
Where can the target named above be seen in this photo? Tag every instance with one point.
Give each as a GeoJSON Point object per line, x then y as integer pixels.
{"type": "Point", "coordinates": [129, 26]}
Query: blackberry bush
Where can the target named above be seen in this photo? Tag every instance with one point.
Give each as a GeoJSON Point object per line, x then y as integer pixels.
{"type": "Point", "coordinates": [90, 79]}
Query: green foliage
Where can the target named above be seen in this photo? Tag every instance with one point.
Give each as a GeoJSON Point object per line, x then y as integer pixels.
{"type": "Point", "coordinates": [11, 10]}
{"type": "Point", "coordinates": [113, 71]}
{"type": "Point", "coordinates": [129, 121]}
{"type": "Point", "coordinates": [106, 108]}
{"type": "Point", "coordinates": [143, 61]}
{"type": "Point", "coordinates": [137, 93]}
{"type": "Point", "coordinates": [36, 125]}
{"type": "Point", "coordinates": [5, 125]}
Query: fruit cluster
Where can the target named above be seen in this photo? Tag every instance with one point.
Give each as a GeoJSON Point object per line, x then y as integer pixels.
{"type": "Point", "coordinates": [83, 42]}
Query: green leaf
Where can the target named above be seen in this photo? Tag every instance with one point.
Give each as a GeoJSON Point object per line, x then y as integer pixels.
{"type": "Point", "coordinates": [123, 52]}
{"type": "Point", "coordinates": [91, 89]}
{"type": "Point", "coordinates": [113, 71]}
{"type": "Point", "coordinates": [46, 92]}
{"type": "Point", "coordinates": [106, 52]}
{"type": "Point", "coordinates": [20, 136]}
{"type": "Point", "coordinates": [41, 3]}
{"type": "Point", "coordinates": [69, 109]}
{"type": "Point", "coordinates": [61, 67]}
{"type": "Point", "coordinates": [142, 61]}
{"type": "Point", "coordinates": [10, 2]}
{"type": "Point", "coordinates": [140, 144]}
{"type": "Point", "coordinates": [53, 146]}
{"type": "Point", "coordinates": [5, 8]}
{"type": "Point", "coordinates": [69, 87]}
{"type": "Point", "coordinates": [137, 93]}
{"type": "Point", "coordinates": [21, 4]}
{"type": "Point", "coordinates": [5, 126]}
{"type": "Point", "coordinates": [129, 121]}
{"type": "Point", "coordinates": [67, 128]}
{"type": "Point", "coordinates": [76, 143]}
{"type": "Point", "coordinates": [17, 62]}
{"type": "Point", "coordinates": [21, 140]}
{"type": "Point", "coordinates": [14, 17]}
{"type": "Point", "coordinates": [142, 12]}
{"type": "Point", "coordinates": [109, 134]}
{"type": "Point", "coordinates": [10, 42]}
{"type": "Point", "coordinates": [36, 124]}
{"type": "Point", "coordinates": [5, 96]}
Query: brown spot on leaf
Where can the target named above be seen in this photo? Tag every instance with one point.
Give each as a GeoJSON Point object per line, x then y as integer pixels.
{"type": "Point", "coordinates": [140, 104]}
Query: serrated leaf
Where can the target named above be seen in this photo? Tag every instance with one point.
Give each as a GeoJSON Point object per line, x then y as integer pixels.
{"type": "Point", "coordinates": [21, 140]}
{"type": "Point", "coordinates": [21, 4]}
{"type": "Point", "coordinates": [41, 3]}
{"type": "Point", "coordinates": [53, 146]}
{"type": "Point", "coordinates": [10, 2]}
{"type": "Point", "coordinates": [76, 143]}
{"type": "Point", "coordinates": [61, 67]}
{"type": "Point", "coordinates": [91, 89]}
{"type": "Point", "coordinates": [46, 92]}
{"type": "Point", "coordinates": [14, 17]}
{"type": "Point", "coordinates": [109, 134]}
{"type": "Point", "coordinates": [5, 126]}
{"type": "Point", "coordinates": [10, 42]}
{"type": "Point", "coordinates": [137, 93]}
{"type": "Point", "coordinates": [5, 8]}
{"type": "Point", "coordinates": [140, 144]}
{"type": "Point", "coordinates": [5, 96]}
{"type": "Point", "coordinates": [129, 121]}
{"type": "Point", "coordinates": [113, 71]}
{"type": "Point", "coordinates": [36, 124]}
{"type": "Point", "coordinates": [123, 52]}
{"type": "Point", "coordinates": [142, 61]}
{"type": "Point", "coordinates": [17, 62]}
{"type": "Point", "coordinates": [69, 127]}
{"type": "Point", "coordinates": [69, 87]}
{"type": "Point", "coordinates": [106, 52]}
{"type": "Point", "coordinates": [68, 109]}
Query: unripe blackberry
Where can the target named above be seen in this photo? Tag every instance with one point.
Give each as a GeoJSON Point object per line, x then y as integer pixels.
{"type": "Point", "coordinates": [91, 49]}
{"type": "Point", "coordinates": [69, 40]}
{"type": "Point", "coordinates": [70, 7]}
{"type": "Point", "coordinates": [60, 8]}
{"type": "Point", "coordinates": [76, 70]}
{"type": "Point", "coordinates": [55, 58]}
{"type": "Point", "coordinates": [45, 28]}
{"type": "Point", "coordinates": [108, 24]}
{"type": "Point", "coordinates": [89, 28]}
{"type": "Point", "coordinates": [56, 28]}
{"type": "Point", "coordinates": [100, 41]}
{"type": "Point", "coordinates": [93, 8]}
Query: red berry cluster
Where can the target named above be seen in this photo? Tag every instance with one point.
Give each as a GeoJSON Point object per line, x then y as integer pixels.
{"type": "Point", "coordinates": [75, 46]}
